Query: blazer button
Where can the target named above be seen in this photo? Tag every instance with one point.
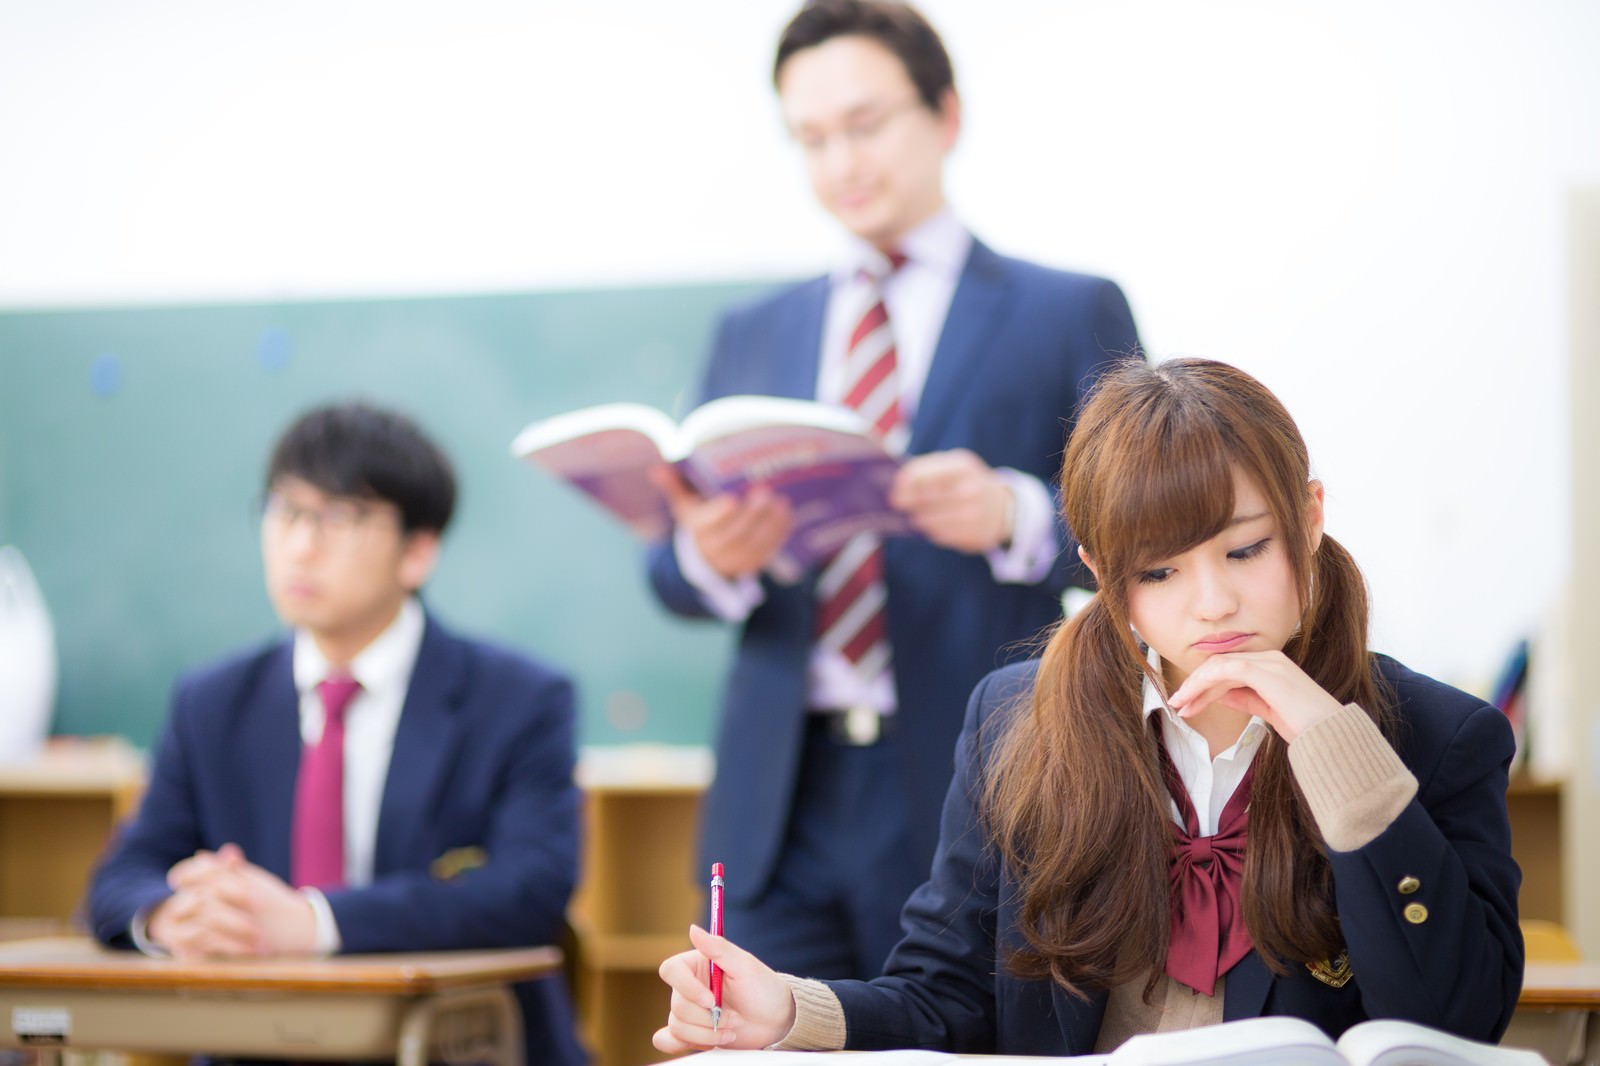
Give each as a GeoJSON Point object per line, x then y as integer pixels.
{"type": "Point", "coordinates": [1416, 913]}
{"type": "Point", "coordinates": [1408, 885]}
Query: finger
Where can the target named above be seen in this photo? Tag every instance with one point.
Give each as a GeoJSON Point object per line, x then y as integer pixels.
{"type": "Point", "coordinates": [192, 870]}
{"type": "Point", "coordinates": [226, 888]}
{"type": "Point", "coordinates": [688, 976]}
{"type": "Point", "coordinates": [231, 923]}
{"type": "Point", "coordinates": [678, 492]}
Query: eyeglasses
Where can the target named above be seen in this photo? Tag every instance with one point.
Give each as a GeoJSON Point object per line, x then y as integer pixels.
{"type": "Point", "coordinates": [860, 131]}
{"type": "Point", "coordinates": [336, 520]}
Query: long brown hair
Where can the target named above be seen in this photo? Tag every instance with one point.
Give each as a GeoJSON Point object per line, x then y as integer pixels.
{"type": "Point", "coordinates": [1073, 796]}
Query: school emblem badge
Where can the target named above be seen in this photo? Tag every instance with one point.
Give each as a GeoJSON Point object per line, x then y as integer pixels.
{"type": "Point", "coordinates": [1334, 972]}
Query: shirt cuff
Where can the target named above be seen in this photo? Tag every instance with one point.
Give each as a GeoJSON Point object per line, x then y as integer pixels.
{"type": "Point", "coordinates": [327, 937]}
{"type": "Point", "coordinates": [730, 600]}
{"type": "Point", "coordinates": [139, 929]}
{"type": "Point", "coordinates": [1352, 778]}
{"type": "Point", "coordinates": [818, 1018]}
{"type": "Point", "coordinates": [1034, 542]}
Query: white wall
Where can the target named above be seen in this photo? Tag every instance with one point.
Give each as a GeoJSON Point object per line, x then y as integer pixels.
{"type": "Point", "coordinates": [1361, 202]}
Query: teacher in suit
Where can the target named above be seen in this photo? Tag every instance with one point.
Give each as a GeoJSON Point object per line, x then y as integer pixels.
{"type": "Point", "coordinates": [372, 783]}
{"type": "Point", "coordinates": [848, 686]}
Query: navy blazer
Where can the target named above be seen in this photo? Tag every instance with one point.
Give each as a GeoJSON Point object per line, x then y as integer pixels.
{"type": "Point", "coordinates": [483, 758]}
{"type": "Point", "coordinates": [1460, 970]}
{"type": "Point", "coordinates": [1019, 346]}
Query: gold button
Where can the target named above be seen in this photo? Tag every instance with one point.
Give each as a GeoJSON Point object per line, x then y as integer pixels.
{"type": "Point", "coordinates": [1416, 913]}
{"type": "Point", "coordinates": [1408, 885]}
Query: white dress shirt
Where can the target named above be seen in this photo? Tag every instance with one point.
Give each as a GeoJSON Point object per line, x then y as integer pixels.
{"type": "Point", "coordinates": [1209, 782]}
{"type": "Point", "coordinates": [917, 298]}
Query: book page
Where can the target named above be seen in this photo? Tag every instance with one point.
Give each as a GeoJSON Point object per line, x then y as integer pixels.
{"type": "Point", "coordinates": [1269, 1041]}
{"type": "Point", "coordinates": [732, 414]}
{"type": "Point", "coordinates": [1390, 1042]}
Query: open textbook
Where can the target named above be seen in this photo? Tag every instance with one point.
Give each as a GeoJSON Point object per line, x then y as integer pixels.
{"type": "Point", "coordinates": [1271, 1041]}
{"type": "Point", "coordinates": [835, 474]}
{"type": "Point", "coordinates": [1280, 1041]}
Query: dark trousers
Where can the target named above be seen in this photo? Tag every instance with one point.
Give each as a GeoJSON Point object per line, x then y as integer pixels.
{"type": "Point", "coordinates": [833, 910]}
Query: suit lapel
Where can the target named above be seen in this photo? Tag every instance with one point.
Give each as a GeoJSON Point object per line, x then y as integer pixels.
{"type": "Point", "coordinates": [269, 731]}
{"type": "Point", "coordinates": [799, 340]}
{"type": "Point", "coordinates": [959, 357]}
{"type": "Point", "coordinates": [424, 741]}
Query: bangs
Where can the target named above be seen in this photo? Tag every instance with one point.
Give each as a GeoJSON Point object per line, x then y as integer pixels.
{"type": "Point", "coordinates": [1168, 490]}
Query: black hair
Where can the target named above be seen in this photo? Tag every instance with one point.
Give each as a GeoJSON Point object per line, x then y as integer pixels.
{"type": "Point", "coordinates": [897, 26]}
{"type": "Point", "coordinates": [358, 450]}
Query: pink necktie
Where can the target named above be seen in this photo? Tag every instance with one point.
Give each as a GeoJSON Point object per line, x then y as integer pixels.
{"type": "Point", "coordinates": [318, 844]}
{"type": "Point", "coordinates": [852, 598]}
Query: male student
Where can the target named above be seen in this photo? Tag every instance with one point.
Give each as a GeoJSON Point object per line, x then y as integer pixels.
{"type": "Point", "coordinates": [844, 701]}
{"type": "Point", "coordinates": [371, 782]}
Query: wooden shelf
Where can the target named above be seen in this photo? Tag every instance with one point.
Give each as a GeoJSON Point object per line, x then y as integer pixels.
{"type": "Point", "coordinates": [638, 891]}
{"type": "Point", "coordinates": [56, 813]}
{"type": "Point", "coordinates": [1535, 809]}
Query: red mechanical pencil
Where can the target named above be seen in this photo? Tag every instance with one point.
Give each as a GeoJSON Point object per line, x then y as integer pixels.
{"type": "Point", "coordinates": [716, 929]}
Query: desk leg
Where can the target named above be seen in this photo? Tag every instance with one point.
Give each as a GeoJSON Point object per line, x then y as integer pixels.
{"type": "Point", "coordinates": [452, 1020]}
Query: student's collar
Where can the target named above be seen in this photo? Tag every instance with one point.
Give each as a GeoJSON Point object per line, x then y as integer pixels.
{"type": "Point", "coordinates": [384, 663]}
{"type": "Point", "coordinates": [1171, 720]}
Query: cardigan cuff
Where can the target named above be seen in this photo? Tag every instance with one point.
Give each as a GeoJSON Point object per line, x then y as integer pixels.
{"type": "Point", "coordinates": [1354, 782]}
{"type": "Point", "coordinates": [818, 1018]}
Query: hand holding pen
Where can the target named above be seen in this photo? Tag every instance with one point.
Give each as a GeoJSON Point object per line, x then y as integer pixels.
{"type": "Point", "coordinates": [756, 1008]}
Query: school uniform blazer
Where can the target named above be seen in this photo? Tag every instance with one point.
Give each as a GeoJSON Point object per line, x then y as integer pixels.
{"type": "Point", "coordinates": [1019, 344]}
{"type": "Point", "coordinates": [483, 759]}
{"type": "Point", "coordinates": [1459, 970]}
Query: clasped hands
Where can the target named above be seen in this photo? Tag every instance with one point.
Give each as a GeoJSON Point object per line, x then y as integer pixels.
{"type": "Point", "coordinates": [223, 906]}
{"type": "Point", "coordinates": [952, 497]}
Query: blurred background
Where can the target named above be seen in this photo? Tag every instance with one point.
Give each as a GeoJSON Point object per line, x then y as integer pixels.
{"type": "Point", "coordinates": [214, 214]}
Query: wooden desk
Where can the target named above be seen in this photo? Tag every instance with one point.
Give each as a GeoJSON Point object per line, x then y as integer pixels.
{"type": "Point", "coordinates": [70, 993]}
{"type": "Point", "coordinates": [1558, 1013]}
{"type": "Point", "coordinates": [1561, 986]}
{"type": "Point", "coordinates": [56, 813]}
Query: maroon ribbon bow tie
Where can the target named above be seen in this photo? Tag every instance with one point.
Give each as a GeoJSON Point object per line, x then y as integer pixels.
{"type": "Point", "coordinates": [1208, 931]}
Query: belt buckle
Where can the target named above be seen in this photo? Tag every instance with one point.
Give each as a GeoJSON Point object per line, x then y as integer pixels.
{"type": "Point", "coordinates": [861, 725]}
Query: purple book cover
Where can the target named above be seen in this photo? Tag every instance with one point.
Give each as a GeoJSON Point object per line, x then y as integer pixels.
{"type": "Point", "coordinates": [613, 467]}
{"type": "Point", "coordinates": [837, 483]}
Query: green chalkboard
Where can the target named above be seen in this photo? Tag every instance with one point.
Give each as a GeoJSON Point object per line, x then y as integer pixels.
{"type": "Point", "coordinates": [132, 443]}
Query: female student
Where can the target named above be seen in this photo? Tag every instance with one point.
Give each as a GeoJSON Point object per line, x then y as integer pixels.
{"type": "Point", "coordinates": [1206, 801]}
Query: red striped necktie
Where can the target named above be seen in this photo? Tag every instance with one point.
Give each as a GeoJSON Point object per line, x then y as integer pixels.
{"type": "Point", "coordinates": [852, 598]}
{"type": "Point", "coordinates": [317, 855]}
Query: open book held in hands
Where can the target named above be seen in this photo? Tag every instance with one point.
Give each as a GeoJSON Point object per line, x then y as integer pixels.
{"type": "Point", "coordinates": [834, 473]}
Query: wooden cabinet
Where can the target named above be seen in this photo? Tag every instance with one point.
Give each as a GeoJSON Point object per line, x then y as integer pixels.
{"type": "Point", "coordinates": [56, 813]}
{"type": "Point", "coordinates": [637, 893]}
{"type": "Point", "coordinates": [1535, 809]}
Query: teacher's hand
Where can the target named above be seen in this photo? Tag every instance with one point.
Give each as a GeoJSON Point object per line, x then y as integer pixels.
{"type": "Point", "coordinates": [736, 535]}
